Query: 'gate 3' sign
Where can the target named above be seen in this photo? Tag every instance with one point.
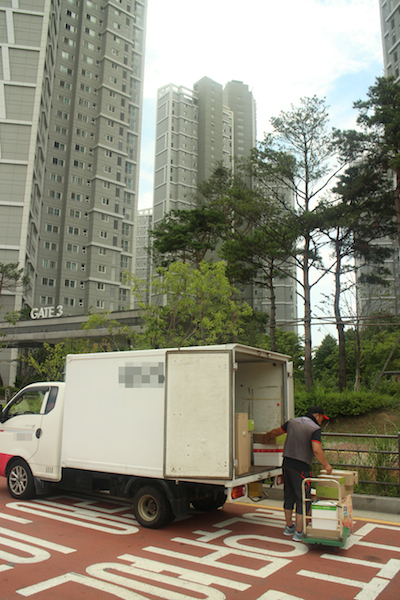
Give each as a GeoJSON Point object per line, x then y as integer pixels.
{"type": "Point", "coordinates": [46, 312]}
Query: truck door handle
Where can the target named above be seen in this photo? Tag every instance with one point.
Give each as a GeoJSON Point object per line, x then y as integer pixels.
{"type": "Point", "coordinates": [38, 433]}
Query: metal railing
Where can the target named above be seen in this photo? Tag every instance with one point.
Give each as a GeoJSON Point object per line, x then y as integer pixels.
{"type": "Point", "coordinates": [375, 468]}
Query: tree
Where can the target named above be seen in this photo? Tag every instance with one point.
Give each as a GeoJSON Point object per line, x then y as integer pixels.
{"type": "Point", "coordinates": [293, 164]}
{"type": "Point", "coordinates": [375, 344]}
{"type": "Point", "coordinates": [201, 308]}
{"type": "Point", "coordinates": [291, 344]}
{"type": "Point", "coordinates": [113, 335]}
{"type": "Point", "coordinates": [254, 256]}
{"type": "Point", "coordinates": [48, 363]}
{"type": "Point", "coordinates": [380, 116]}
{"type": "Point", "coordinates": [187, 235]}
{"type": "Point", "coordinates": [324, 357]}
{"type": "Point", "coordinates": [12, 277]}
{"type": "Point", "coordinates": [361, 213]}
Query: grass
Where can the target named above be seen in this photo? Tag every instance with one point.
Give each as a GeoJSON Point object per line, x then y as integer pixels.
{"type": "Point", "coordinates": [385, 422]}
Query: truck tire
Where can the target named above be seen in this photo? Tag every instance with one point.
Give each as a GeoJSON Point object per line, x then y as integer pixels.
{"type": "Point", "coordinates": [151, 507]}
{"type": "Point", "coordinates": [20, 480]}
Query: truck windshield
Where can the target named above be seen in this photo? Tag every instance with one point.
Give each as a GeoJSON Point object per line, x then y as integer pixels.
{"type": "Point", "coordinates": [28, 403]}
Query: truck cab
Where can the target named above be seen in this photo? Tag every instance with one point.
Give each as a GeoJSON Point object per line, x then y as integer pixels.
{"type": "Point", "coordinates": [30, 437]}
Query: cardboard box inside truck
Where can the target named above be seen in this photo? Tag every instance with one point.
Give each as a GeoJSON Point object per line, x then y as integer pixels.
{"type": "Point", "coordinates": [242, 443]}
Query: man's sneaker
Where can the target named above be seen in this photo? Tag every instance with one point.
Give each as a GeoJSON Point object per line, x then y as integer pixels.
{"type": "Point", "coordinates": [289, 530]}
{"type": "Point", "coordinates": [298, 536]}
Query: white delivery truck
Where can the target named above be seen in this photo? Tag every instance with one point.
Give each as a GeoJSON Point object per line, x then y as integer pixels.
{"type": "Point", "coordinates": [167, 428]}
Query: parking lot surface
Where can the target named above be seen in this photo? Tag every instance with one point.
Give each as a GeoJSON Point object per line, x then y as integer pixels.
{"type": "Point", "coordinates": [74, 547]}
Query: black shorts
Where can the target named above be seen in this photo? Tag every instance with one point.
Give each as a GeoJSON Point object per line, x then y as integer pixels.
{"type": "Point", "coordinates": [292, 481]}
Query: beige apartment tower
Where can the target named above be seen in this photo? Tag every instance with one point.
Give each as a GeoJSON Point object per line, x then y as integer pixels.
{"type": "Point", "coordinates": [375, 298]}
{"type": "Point", "coordinates": [71, 81]}
{"type": "Point", "coordinates": [390, 30]}
{"type": "Point", "coordinates": [196, 130]}
{"type": "Point", "coordinates": [71, 101]}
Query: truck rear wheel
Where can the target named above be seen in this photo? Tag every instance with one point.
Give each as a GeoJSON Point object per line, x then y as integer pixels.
{"type": "Point", "coordinates": [20, 480]}
{"type": "Point", "coordinates": [151, 507]}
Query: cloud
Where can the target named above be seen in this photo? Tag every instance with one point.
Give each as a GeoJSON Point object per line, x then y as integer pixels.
{"type": "Point", "coordinates": [283, 51]}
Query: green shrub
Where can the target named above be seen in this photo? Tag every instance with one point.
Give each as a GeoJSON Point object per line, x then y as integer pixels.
{"type": "Point", "coordinates": [345, 404]}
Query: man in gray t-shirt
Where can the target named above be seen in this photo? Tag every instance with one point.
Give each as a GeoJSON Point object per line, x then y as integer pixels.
{"type": "Point", "coordinates": [303, 442]}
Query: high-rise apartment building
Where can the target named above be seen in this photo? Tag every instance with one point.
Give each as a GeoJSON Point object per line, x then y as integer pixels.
{"type": "Point", "coordinates": [71, 90]}
{"type": "Point", "coordinates": [196, 130]}
{"type": "Point", "coordinates": [143, 268]}
{"type": "Point", "coordinates": [71, 80]}
{"type": "Point", "coordinates": [390, 28]}
{"type": "Point", "coordinates": [376, 298]}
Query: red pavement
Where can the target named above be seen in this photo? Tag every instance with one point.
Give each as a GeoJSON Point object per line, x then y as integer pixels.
{"type": "Point", "coordinates": [72, 547]}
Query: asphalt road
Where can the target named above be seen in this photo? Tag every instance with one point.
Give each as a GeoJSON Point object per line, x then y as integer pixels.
{"type": "Point", "coordinates": [75, 548]}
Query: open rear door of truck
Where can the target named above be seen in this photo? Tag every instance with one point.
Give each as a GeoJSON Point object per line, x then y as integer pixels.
{"type": "Point", "coordinates": [198, 409]}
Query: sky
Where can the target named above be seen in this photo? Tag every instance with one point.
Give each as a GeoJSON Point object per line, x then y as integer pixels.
{"type": "Point", "coordinates": [282, 50]}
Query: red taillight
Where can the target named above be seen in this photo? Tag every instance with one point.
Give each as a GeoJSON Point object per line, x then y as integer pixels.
{"type": "Point", "coordinates": [238, 492]}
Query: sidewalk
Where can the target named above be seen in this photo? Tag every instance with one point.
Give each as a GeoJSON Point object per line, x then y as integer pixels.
{"type": "Point", "coordinates": [371, 508]}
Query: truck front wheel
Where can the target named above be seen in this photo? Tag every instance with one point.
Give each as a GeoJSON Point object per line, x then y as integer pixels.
{"type": "Point", "coordinates": [151, 507]}
{"type": "Point", "coordinates": [20, 480]}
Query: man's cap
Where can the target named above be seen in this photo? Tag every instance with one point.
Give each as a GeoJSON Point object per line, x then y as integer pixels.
{"type": "Point", "coordinates": [317, 409]}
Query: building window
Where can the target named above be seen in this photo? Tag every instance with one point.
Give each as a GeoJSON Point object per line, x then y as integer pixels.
{"type": "Point", "coordinates": [73, 230]}
{"type": "Point", "coordinates": [50, 246]}
{"type": "Point", "coordinates": [49, 264]}
{"type": "Point", "coordinates": [71, 266]}
{"type": "Point", "coordinates": [48, 281]}
{"type": "Point", "coordinates": [69, 301]}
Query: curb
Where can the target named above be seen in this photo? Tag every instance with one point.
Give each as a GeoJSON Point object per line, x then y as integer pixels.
{"type": "Point", "coordinates": [381, 504]}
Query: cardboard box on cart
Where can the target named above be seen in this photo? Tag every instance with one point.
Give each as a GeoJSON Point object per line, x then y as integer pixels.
{"type": "Point", "coordinates": [324, 515]}
{"type": "Point", "coordinates": [328, 487]}
{"type": "Point", "coordinates": [323, 525]}
{"type": "Point", "coordinates": [350, 478]}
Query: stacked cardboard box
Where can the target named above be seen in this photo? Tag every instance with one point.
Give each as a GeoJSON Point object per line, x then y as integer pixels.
{"type": "Point", "coordinates": [331, 488]}
{"type": "Point", "coordinates": [350, 478]}
{"type": "Point", "coordinates": [331, 515]}
{"type": "Point", "coordinates": [324, 515]}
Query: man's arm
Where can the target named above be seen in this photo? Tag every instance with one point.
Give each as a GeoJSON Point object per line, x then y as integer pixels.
{"type": "Point", "coordinates": [320, 456]}
{"type": "Point", "coordinates": [274, 433]}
